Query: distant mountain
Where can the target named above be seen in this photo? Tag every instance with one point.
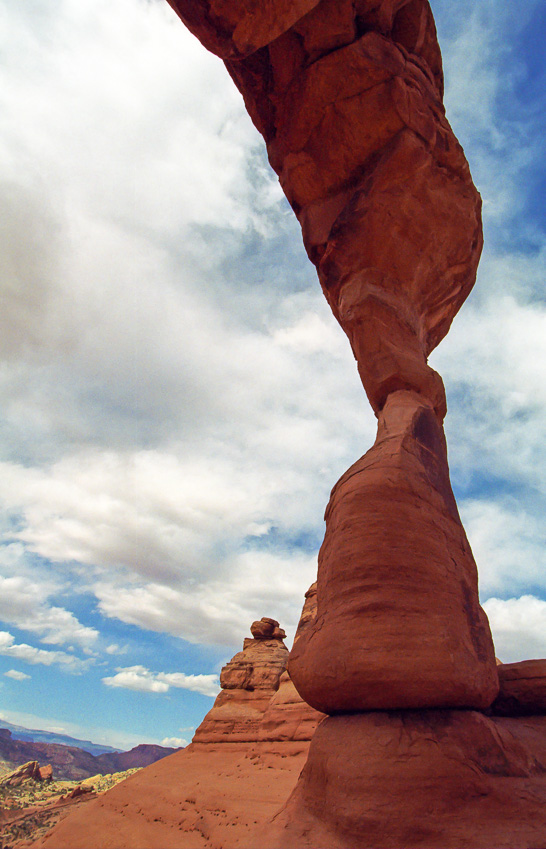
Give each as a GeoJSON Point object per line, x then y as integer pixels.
{"type": "Point", "coordinates": [71, 762]}
{"type": "Point", "coordinates": [33, 735]}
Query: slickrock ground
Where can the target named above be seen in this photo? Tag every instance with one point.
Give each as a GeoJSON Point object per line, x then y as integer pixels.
{"type": "Point", "coordinates": [243, 763]}
{"type": "Point", "coordinates": [205, 796]}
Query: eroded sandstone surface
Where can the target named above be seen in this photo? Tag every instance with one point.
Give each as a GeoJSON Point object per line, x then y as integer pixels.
{"type": "Point", "coordinates": [258, 702]}
{"type": "Point", "coordinates": [249, 681]}
{"type": "Point", "coordinates": [243, 763]}
{"type": "Point", "coordinates": [348, 98]}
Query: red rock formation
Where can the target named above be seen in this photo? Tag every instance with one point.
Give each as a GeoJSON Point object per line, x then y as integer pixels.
{"type": "Point", "coordinates": [249, 681]}
{"type": "Point", "coordinates": [46, 773]}
{"type": "Point", "coordinates": [522, 689]}
{"type": "Point", "coordinates": [348, 97]}
{"type": "Point", "coordinates": [258, 702]}
{"type": "Point", "coordinates": [393, 515]}
{"type": "Point", "coordinates": [243, 762]}
{"type": "Point", "coordinates": [288, 717]}
{"type": "Point", "coordinates": [421, 779]}
{"type": "Point", "coordinates": [29, 771]}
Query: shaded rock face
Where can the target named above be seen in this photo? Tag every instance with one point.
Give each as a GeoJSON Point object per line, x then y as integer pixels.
{"type": "Point", "coordinates": [451, 778]}
{"type": "Point", "coordinates": [522, 689]}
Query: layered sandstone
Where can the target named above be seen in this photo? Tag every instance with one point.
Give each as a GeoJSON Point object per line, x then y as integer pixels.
{"type": "Point", "coordinates": [241, 766]}
{"type": "Point", "coordinates": [249, 681]}
{"type": "Point", "coordinates": [288, 718]}
{"type": "Point", "coordinates": [398, 604]}
{"type": "Point", "coordinates": [258, 703]}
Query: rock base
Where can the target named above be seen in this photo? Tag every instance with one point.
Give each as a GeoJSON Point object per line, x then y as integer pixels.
{"type": "Point", "coordinates": [420, 779]}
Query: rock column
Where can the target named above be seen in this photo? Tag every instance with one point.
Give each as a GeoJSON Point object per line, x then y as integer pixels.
{"type": "Point", "coordinates": [348, 97]}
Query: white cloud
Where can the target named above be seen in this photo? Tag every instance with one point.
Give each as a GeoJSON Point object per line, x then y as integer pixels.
{"type": "Point", "coordinates": [174, 742]}
{"type": "Point", "coordinates": [115, 649]}
{"type": "Point", "coordinates": [142, 680]}
{"type": "Point", "coordinates": [22, 604]}
{"type": "Point", "coordinates": [518, 626]}
{"type": "Point", "coordinates": [29, 654]}
{"type": "Point", "coordinates": [508, 544]}
{"type": "Point", "coordinates": [16, 675]}
{"type": "Point", "coordinates": [257, 583]}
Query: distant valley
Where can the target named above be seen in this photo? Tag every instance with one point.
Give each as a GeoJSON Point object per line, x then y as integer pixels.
{"type": "Point", "coordinates": [73, 761]}
{"type": "Point", "coordinates": [18, 732]}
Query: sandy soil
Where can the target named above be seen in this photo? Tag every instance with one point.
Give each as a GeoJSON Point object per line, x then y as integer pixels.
{"type": "Point", "coordinates": [203, 796]}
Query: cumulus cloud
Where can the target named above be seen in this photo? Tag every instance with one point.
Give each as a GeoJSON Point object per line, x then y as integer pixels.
{"type": "Point", "coordinates": [113, 648]}
{"type": "Point", "coordinates": [257, 583]}
{"type": "Point", "coordinates": [141, 679]}
{"type": "Point", "coordinates": [518, 626]}
{"type": "Point", "coordinates": [16, 675]}
{"type": "Point", "coordinates": [508, 544]}
{"type": "Point", "coordinates": [30, 654]}
{"type": "Point", "coordinates": [22, 604]}
{"type": "Point", "coordinates": [174, 742]}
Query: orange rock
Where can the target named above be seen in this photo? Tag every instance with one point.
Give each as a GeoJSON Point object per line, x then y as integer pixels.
{"type": "Point", "coordinates": [249, 681]}
{"type": "Point", "coordinates": [418, 778]}
{"type": "Point", "coordinates": [202, 796]}
{"type": "Point", "coordinates": [522, 689]}
{"type": "Point", "coordinates": [46, 773]}
{"type": "Point", "coordinates": [398, 623]}
{"type": "Point", "coordinates": [309, 611]}
{"type": "Point", "coordinates": [267, 629]}
{"type": "Point", "coordinates": [348, 97]}
{"type": "Point", "coordinates": [239, 27]}
{"type": "Point", "coordinates": [25, 772]}
{"type": "Point", "coordinates": [287, 716]}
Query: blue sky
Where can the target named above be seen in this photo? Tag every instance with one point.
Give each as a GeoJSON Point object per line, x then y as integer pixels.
{"type": "Point", "coordinates": [176, 399]}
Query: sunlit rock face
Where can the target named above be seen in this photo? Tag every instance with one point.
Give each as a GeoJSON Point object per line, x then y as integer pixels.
{"type": "Point", "coordinates": [399, 624]}
{"type": "Point", "coordinates": [249, 681]}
